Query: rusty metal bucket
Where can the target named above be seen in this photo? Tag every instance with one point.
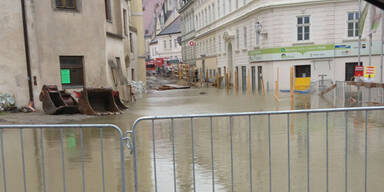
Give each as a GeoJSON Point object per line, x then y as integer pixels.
{"type": "Point", "coordinates": [98, 101]}
{"type": "Point", "coordinates": [57, 102]}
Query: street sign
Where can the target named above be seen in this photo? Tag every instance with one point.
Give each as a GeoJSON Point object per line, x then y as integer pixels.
{"type": "Point", "coordinates": [191, 43]}
{"type": "Point", "coordinates": [370, 71]}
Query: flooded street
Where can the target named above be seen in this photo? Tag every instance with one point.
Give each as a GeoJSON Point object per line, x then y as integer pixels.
{"type": "Point", "coordinates": [197, 101]}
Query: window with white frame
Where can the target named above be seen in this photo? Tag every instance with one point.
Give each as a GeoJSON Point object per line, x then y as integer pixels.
{"type": "Point", "coordinates": [245, 37]}
{"type": "Point", "coordinates": [175, 41]}
{"type": "Point", "coordinates": [209, 14]}
{"type": "Point", "coordinates": [218, 8]}
{"type": "Point", "coordinates": [205, 17]}
{"type": "Point", "coordinates": [257, 33]}
{"type": "Point", "coordinates": [237, 4]}
{"type": "Point", "coordinates": [165, 44]}
{"type": "Point", "coordinates": [223, 7]}
{"type": "Point", "coordinates": [229, 6]}
{"type": "Point", "coordinates": [303, 28]}
{"type": "Point", "coordinates": [210, 47]}
{"type": "Point", "coordinates": [219, 44]}
{"type": "Point", "coordinates": [237, 38]}
{"type": "Point", "coordinates": [213, 12]}
{"type": "Point", "coordinates": [353, 24]}
{"type": "Point", "coordinates": [190, 23]}
{"type": "Point", "coordinates": [244, 2]}
{"type": "Point", "coordinates": [197, 22]}
{"type": "Point", "coordinates": [214, 45]}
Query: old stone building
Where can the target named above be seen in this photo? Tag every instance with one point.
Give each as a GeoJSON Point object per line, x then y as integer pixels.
{"type": "Point", "coordinates": [72, 44]}
{"type": "Point", "coordinates": [256, 38]}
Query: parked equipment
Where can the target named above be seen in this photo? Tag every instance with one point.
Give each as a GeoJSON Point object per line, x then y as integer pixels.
{"type": "Point", "coordinates": [97, 101]}
{"type": "Point", "coordinates": [116, 96]}
{"type": "Point", "coordinates": [57, 102]}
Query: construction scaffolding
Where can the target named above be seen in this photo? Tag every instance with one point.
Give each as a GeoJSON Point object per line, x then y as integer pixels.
{"type": "Point", "coordinates": [348, 93]}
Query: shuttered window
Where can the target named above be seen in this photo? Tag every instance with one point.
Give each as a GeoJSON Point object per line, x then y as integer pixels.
{"type": "Point", "coordinates": [66, 4]}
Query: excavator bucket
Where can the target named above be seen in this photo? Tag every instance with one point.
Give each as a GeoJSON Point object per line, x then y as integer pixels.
{"type": "Point", "coordinates": [57, 102]}
{"type": "Point", "coordinates": [116, 96]}
{"type": "Point", "coordinates": [97, 101]}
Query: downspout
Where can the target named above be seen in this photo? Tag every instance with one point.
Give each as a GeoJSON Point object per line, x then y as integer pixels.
{"type": "Point", "coordinates": [27, 54]}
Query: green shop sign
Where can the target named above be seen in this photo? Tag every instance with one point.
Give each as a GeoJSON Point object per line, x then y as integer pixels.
{"type": "Point", "coordinates": [311, 51]}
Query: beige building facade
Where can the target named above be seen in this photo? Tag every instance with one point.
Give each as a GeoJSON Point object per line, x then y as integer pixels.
{"type": "Point", "coordinates": [72, 44]}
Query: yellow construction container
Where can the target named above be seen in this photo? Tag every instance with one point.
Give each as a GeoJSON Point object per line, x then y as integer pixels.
{"type": "Point", "coordinates": [302, 84]}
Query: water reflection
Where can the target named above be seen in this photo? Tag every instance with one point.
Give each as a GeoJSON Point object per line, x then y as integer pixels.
{"type": "Point", "coordinates": [215, 101]}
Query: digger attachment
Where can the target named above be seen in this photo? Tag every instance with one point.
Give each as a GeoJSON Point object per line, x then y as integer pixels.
{"type": "Point", "coordinates": [57, 102]}
{"type": "Point", "coordinates": [120, 105]}
{"type": "Point", "coordinates": [98, 101]}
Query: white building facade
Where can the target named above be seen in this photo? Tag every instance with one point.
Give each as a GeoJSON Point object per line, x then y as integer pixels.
{"type": "Point", "coordinates": [256, 38]}
{"type": "Point", "coordinates": [165, 45]}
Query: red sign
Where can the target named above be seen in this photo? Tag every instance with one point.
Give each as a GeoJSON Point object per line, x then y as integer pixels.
{"type": "Point", "coordinates": [191, 43]}
{"type": "Point", "coordinates": [159, 62]}
{"type": "Point", "coordinates": [359, 71]}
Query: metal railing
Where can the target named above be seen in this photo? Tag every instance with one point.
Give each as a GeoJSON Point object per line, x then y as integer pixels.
{"type": "Point", "coordinates": [345, 95]}
{"type": "Point", "coordinates": [43, 159]}
{"type": "Point", "coordinates": [251, 127]}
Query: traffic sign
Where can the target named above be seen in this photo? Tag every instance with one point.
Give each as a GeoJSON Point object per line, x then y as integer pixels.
{"type": "Point", "coordinates": [191, 43]}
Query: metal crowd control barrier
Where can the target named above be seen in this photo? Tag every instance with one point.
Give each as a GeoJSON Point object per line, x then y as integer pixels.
{"type": "Point", "coordinates": [230, 116]}
{"type": "Point", "coordinates": [43, 158]}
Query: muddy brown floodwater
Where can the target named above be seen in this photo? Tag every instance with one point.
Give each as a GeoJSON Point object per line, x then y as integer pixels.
{"type": "Point", "coordinates": [196, 101]}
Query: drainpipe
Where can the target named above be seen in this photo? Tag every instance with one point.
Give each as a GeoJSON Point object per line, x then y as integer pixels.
{"type": "Point", "coordinates": [27, 53]}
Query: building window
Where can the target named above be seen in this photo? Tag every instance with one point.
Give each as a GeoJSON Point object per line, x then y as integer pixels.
{"type": "Point", "coordinates": [209, 14]}
{"type": "Point", "coordinates": [245, 38]}
{"type": "Point", "coordinates": [218, 8]}
{"type": "Point", "coordinates": [175, 42]}
{"type": "Point", "coordinates": [165, 44]}
{"type": "Point", "coordinates": [211, 46]}
{"type": "Point", "coordinates": [125, 17]}
{"type": "Point", "coordinates": [219, 44]}
{"type": "Point", "coordinates": [202, 18]}
{"type": "Point", "coordinates": [206, 16]}
{"type": "Point", "coordinates": [66, 4]}
{"type": "Point", "coordinates": [72, 71]}
{"type": "Point", "coordinates": [213, 13]}
{"type": "Point", "coordinates": [353, 24]}
{"type": "Point", "coordinates": [237, 38]}
{"type": "Point", "coordinates": [197, 22]}
{"type": "Point", "coordinates": [237, 4]}
{"type": "Point", "coordinates": [223, 7]}
{"type": "Point", "coordinates": [229, 6]}
{"type": "Point", "coordinates": [131, 41]}
{"type": "Point", "coordinates": [244, 2]}
{"type": "Point", "coordinates": [257, 33]}
{"type": "Point", "coordinates": [170, 43]}
{"type": "Point", "coordinates": [108, 10]}
{"type": "Point", "coordinates": [303, 28]}
{"type": "Point", "coordinates": [214, 46]}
